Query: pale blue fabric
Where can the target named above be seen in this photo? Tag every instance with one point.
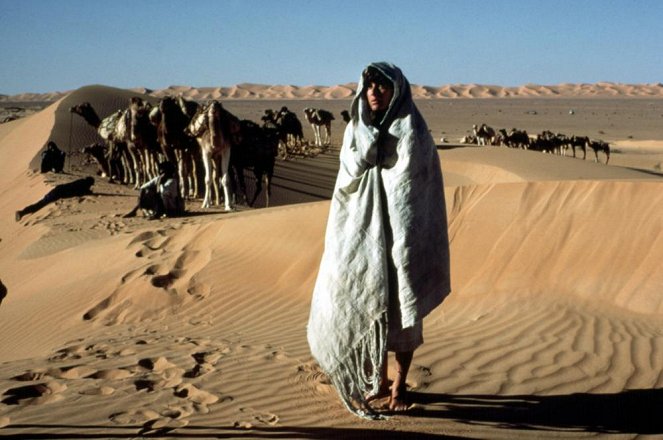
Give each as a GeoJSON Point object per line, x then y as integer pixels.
{"type": "Point", "coordinates": [386, 247]}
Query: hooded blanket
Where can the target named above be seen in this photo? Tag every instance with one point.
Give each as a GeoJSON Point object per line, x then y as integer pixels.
{"type": "Point", "coordinates": [386, 247]}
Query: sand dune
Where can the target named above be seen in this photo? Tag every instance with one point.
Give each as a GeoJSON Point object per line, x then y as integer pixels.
{"type": "Point", "coordinates": [116, 327]}
{"type": "Point", "coordinates": [346, 91]}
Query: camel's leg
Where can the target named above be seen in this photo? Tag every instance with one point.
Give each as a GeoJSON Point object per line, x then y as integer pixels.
{"type": "Point", "coordinates": [225, 183]}
{"type": "Point", "coordinates": [135, 167]}
{"type": "Point", "coordinates": [155, 158]}
{"type": "Point", "coordinates": [215, 181]}
{"type": "Point", "coordinates": [327, 134]}
{"type": "Point", "coordinates": [192, 185]}
{"type": "Point", "coordinates": [126, 160]}
{"type": "Point", "coordinates": [268, 187]}
{"type": "Point", "coordinates": [258, 173]}
{"type": "Point", "coordinates": [149, 165]}
{"type": "Point", "coordinates": [182, 172]}
{"type": "Point", "coordinates": [209, 172]}
{"type": "Point", "coordinates": [239, 177]}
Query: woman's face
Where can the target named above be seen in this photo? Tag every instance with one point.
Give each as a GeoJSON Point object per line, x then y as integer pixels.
{"type": "Point", "coordinates": [379, 96]}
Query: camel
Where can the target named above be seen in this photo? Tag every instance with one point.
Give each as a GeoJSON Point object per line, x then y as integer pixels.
{"type": "Point", "coordinates": [546, 142]}
{"type": "Point", "coordinates": [319, 118]}
{"type": "Point", "coordinates": [113, 129]}
{"type": "Point", "coordinates": [257, 149]}
{"type": "Point", "coordinates": [484, 134]}
{"type": "Point", "coordinates": [515, 138]}
{"type": "Point", "coordinates": [290, 128]}
{"type": "Point", "coordinates": [176, 145]}
{"type": "Point", "coordinates": [98, 152]}
{"type": "Point", "coordinates": [143, 139]}
{"type": "Point", "coordinates": [599, 145]}
{"type": "Point", "coordinates": [579, 142]}
{"type": "Point", "coordinates": [189, 108]}
{"type": "Point", "coordinates": [215, 129]}
{"type": "Point", "coordinates": [469, 139]}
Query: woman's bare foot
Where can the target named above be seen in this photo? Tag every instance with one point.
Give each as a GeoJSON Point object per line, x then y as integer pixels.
{"type": "Point", "coordinates": [398, 399]}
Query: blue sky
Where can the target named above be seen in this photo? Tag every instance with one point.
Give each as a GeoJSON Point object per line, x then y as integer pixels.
{"type": "Point", "coordinates": [60, 45]}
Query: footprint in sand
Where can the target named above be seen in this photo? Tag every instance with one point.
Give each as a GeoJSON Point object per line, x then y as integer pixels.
{"type": "Point", "coordinates": [418, 377]}
{"type": "Point", "coordinates": [134, 416]}
{"type": "Point", "coordinates": [265, 418]}
{"type": "Point", "coordinates": [312, 377]}
{"type": "Point", "coordinates": [198, 290]}
{"type": "Point", "coordinates": [77, 372]}
{"type": "Point", "coordinates": [205, 362]}
{"type": "Point", "coordinates": [195, 395]}
{"type": "Point", "coordinates": [157, 364]}
{"type": "Point", "coordinates": [167, 280]}
{"type": "Point", "coordinates": [199, 370]}
{"type": "Point", "coordinates": [37, 394]}
{"type": "Point", "coordinates": [71, 352]}
{"type": "Point", "coordinates": [152, 242]}
{"type": "Point", "coordinates": [112, 374]}
{"type": "Point", "coordinates": [164, 373]}
{"type": "Point", "coordinates": [160, 427]}
{"type": "Point", "coordinates": [32, 375]}
{"type": "Point", "coordinates": [208, 357]}
{"type": "Point", "coordinates": [178, 412]}
{"type": "Point", "coordinates": [100, 391]}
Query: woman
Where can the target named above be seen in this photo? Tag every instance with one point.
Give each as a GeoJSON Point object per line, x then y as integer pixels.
{"type": "Point", "coordinates": [386, 260]}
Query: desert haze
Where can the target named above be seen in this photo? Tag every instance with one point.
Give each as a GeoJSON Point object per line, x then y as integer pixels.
{"type": "Point", "coordinates": [195, 327]}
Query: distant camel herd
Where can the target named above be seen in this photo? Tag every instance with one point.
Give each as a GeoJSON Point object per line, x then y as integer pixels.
{"type": "Point", "coordinates": [207, 140]}
{"type": "Point", "coordinates": [192, 135]}
{"type": "Point", "coordinates": [546, 141]}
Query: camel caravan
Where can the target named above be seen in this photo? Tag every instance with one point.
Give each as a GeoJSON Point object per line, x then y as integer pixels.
{"type": "Point", "coordinates": [210, 146]}
{"type": "Point", "coordinates": [546, 141]}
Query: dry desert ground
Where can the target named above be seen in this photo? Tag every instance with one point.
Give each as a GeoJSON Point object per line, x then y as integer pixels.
{"type": "Point", "coordinates": [195, 327]}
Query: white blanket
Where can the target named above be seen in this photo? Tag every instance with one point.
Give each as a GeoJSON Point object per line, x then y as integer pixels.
{"type": "Point", "coordinates": [387, 215]}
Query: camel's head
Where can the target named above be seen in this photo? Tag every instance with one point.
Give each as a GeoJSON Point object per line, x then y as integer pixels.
{"type": "Point", "coordinates": [268, 116]}
{"type": "Point", "coordinates": [168, 104]}
{"type": "Point", "coordinates": [97, 149]}
{"type": "Point", "coordinates": [136, 102]}
{"type": "Point", "coordinates": [81, 108]}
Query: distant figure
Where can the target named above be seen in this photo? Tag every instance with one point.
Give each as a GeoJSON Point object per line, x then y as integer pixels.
{"type": "Point", "coordinates": [52, 159]}
{"type": "Point", "coordinates": [77, 188]}
{"type": "Point", "coordinates": [160, 197]}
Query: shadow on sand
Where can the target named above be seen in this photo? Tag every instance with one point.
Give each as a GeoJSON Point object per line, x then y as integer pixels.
{"type": "Point", "coordinates": [628, 412]}
{"type": "Point", "coordinates": [632, 412]}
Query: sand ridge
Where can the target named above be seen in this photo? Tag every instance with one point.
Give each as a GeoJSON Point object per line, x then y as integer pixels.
{"type": "Point", "coordinates": [195, 327]}
{"type": "Point", "coordinates": [347, 91]}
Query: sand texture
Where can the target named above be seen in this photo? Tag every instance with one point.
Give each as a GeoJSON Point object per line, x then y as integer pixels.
{"type": "Point", "coordinates": [195, 327]}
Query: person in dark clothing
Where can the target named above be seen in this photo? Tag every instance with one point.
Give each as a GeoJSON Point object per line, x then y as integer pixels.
{"type": "Point", "coordinates": [160, 197]}
{"type": "Point", "coordinates": [52, 159]}
{"type": "Point", "coordinates": [77, 188]}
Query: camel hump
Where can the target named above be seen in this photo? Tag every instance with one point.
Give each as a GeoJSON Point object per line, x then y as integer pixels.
{"type": "Point", "coordinates": [108, 124]}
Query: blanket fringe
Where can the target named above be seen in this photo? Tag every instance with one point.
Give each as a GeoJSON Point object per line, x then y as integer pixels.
{"type": "Point", "coordinates": [358, 376]}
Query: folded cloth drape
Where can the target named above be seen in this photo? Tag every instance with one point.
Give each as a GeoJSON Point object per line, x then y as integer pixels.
{"type": "Point", "coordinates": [387, 216]}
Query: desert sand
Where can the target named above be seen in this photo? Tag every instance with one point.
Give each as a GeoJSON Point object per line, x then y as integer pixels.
{"type": "Point", "coordinates": [195, 327]}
